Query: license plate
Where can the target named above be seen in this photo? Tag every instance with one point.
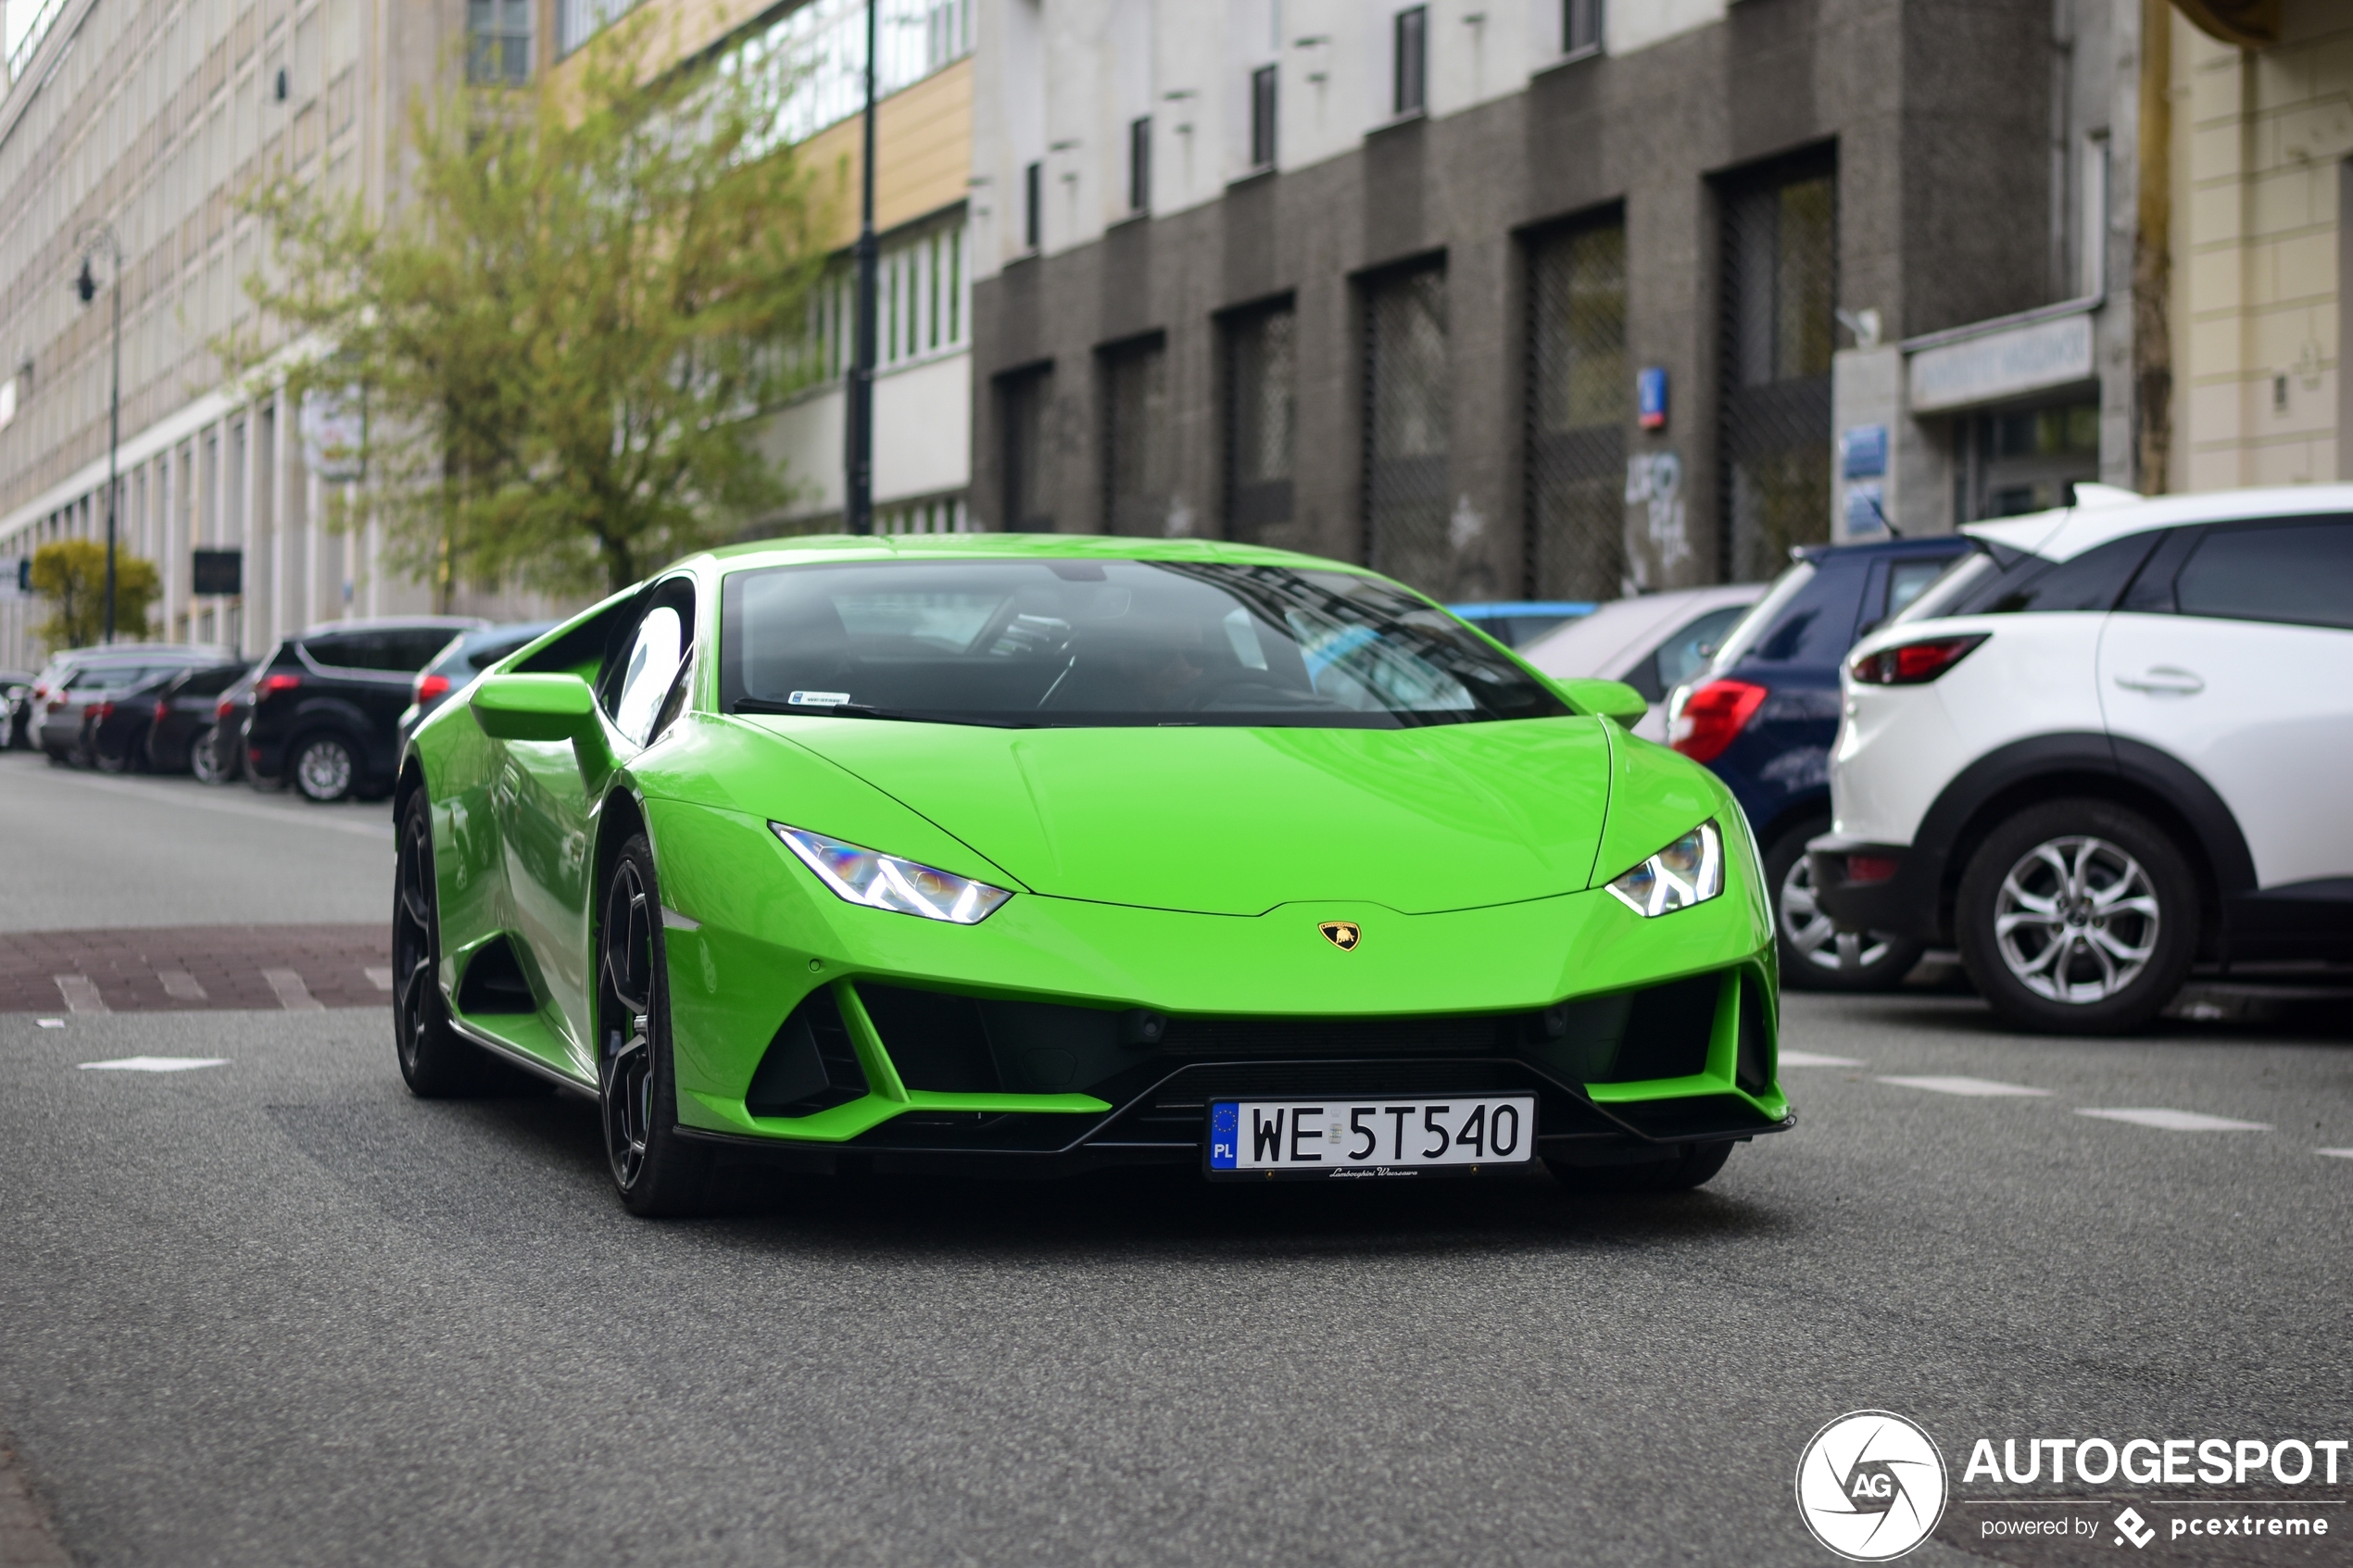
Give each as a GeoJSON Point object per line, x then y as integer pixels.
{"type": "Point", "coordinates": [1369, 1138]}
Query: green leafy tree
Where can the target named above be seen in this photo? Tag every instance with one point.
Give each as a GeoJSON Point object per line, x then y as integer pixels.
{"type": "Point", "coordinates": [71, 574]}
{"type": "Point", "coordinates": [560, 335]}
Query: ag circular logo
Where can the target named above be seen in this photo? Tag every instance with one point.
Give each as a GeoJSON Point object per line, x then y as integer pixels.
{"type": "Point", "coordinates": [1870, 1485]}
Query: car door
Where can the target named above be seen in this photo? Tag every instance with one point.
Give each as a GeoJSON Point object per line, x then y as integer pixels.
{"type": "Point", "coordinates": [548, 805]}
{"type": "Point", "coordinates": [2235, 655]}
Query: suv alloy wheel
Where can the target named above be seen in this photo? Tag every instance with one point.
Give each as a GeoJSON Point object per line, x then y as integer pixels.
{"type": "Point", "coordinates": [322, 767]}
{"type": "Point", "coordinates": [2078, 917]}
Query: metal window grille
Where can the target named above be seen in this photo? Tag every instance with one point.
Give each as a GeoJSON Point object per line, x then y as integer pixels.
{"type": "Point", "coordinates": [498, 42]}
{"type": "Point", "coordinates": [1406, 428]}
{"type": "Point", "coordinates": [1262, 117]}
{"type": "Point", "coordinates": [1024, 404]}
{"type": "Point", "coordinates": [1139, 165]}
{"type": "Point", "coordinates": [1033, 203]}
{"type": "Point", "coordinates": [1261, 417]}
{"type": "Point", "coordinates": [1137, 490]}
{"type": "Point", "coordinates": [1582, 25]}
{"type": "Point", "coordinates": [1780, 298]}
{"type": "Point", "coordinates": [1412, 63]}
{"type": "Point", "coordinates": [1576, 412]}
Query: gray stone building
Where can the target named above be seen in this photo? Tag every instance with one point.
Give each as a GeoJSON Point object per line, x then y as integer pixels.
{"type": "Point", "coordinates": [1528, 297]}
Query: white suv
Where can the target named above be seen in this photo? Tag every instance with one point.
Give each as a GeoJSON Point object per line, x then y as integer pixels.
{"type": "Point", "coordinates": [2114, 741]}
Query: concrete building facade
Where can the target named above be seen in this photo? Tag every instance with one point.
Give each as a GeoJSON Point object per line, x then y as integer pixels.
{"type": "Point", "coordinates": [1549, 296]}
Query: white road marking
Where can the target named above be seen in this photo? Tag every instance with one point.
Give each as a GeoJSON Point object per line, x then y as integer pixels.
{"type": "Point", "coordinates": [180, 983]}
{"type": "Point", "coordinates": [1807, 1059]}
{"type": "Point", "coordinates": [293, 995]}
{"type": "Point", "coordinates": [50, 1022]}
{"type": "Point", "coordinates": [2336, 1153]}
{"type": "Point", "coordinates": [1975, 1087]}
{"type": "Point", "coordinates": [81, 993]}
{"type": "Point", "coordinates": [2180, 1120]}
{"type": "Point", "coordinates": [156, 1063]}
{"type": "Point", "coordinates": [380, 977]}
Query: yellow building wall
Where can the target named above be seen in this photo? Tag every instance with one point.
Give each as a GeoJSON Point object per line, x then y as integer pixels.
{"type": "Point", "coordinates": [2258, 137]}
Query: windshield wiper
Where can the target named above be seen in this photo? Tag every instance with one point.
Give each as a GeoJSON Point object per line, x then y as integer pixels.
{"type": "Point", "coordinates": [866, 711]}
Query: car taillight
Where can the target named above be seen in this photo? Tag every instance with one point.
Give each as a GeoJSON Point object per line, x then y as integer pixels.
{"type": "Point", "coordinates": [221, 709]}
{"type": "Point", "coordinates": [163, 712]}
{"type": "Point", "coordinates": [1910, 664]}
{"type": "Point", "coordinates": [99, 711]}
{"type": "Point", "coordinates": [429, 686]}
{"type": "Point", "coordinates": [1713, 716]}
{"type": "Point", "coordinates": [270, 685]}
{"type": "Point", "coordinates": [1871, 868]}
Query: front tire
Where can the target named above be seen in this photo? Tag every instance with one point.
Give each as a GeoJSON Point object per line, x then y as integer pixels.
{"type": "Point", "coordinates": [1694, 1165]}
{"type": "Point", "coordinates": [322, 767]}
{"type": "Point", "coordinates": [2078, 917]}
{"type": "Point", "coordinates": [655, 1170]}
{"type": "Point", "coordinates": [1816, 955]}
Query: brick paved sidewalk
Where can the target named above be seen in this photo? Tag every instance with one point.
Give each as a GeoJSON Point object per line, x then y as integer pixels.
{"type": "Point", "coordinates": [185, 968]}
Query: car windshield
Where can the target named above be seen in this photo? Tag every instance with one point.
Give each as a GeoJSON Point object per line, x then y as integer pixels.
{"type": "Point", "coordinates": [1095, 643]}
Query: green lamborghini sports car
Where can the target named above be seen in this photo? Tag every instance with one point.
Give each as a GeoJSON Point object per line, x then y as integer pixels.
{"type": "Point", "coordinates": [1026, 854]}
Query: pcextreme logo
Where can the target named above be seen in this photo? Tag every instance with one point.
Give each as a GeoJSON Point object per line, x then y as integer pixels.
{"type": "Point", "coordinates": [1870, 1485]}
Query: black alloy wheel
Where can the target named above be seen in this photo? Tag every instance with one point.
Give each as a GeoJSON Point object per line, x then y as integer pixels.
{"type": "Point", "coordinates": [1816, 955]}
{"type": "Point", "coordinates": [204, 759]}
{"type": "Point", "coordinates": [2078, 917]}
{"type": "Point", "coordinates": [435, 1060]}
{"type": "Point", "coordinates": [655, 1170]}
{"type": "Point", "coordinates": [322, 767]}
{"type": "Point", "coordinates": [1693, 1165]}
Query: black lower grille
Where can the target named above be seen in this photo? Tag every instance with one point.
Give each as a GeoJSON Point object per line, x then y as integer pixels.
{"type": "Point", "coordinates": [1471, 1035]}
{"type": "Point", "coordinates": [811, 1065]}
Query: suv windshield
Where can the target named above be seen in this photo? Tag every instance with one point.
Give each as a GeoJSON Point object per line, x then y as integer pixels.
{"type": "Point", "coordinates": [1091, 643]}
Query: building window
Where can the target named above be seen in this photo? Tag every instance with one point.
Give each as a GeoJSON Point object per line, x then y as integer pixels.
{"type": "Point", "coordinates": [1407, 415]}
{"type": "Point", "coordinates": [1262, 118]}
{"type": "Point", "coordinates": [1411, 77]}
{"type": "Point", "coordinates": [1033, 205]}
{"type": "Point", "coordinates": [1578, 386]}
{"type": "Point", "coordinates": [1023, 401]}
{"type": "Point", "coordinates": [1580, 25]}
{"type": "Point", "coordinates": [1261, 418]}
{"type": "Point", "coordinates": [1136, 489]}
{"type": "Point", "coordinates": [498, 42]}
{"type": "Point", "coordinates": [1780, 298]}
{"type": "Point", "coordinates": [2027, 461]}
{"type": "Point", "coordinates": [1139, 165]}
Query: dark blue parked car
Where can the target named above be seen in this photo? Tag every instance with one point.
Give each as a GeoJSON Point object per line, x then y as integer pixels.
{"type": "Point", "coordinates": [1764, 713]}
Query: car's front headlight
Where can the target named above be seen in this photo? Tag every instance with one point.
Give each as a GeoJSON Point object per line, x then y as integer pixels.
{"type": "Point", "coordinates": [886, 882]}
{"type": "Point", "coordinates": [1688, 871]}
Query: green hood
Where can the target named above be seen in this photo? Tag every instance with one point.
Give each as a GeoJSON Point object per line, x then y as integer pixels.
{"type": "Point", "coordinates": [1235, 822]}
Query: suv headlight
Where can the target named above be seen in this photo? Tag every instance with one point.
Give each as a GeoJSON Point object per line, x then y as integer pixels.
{"type": "Point", "coordinates": [1688, 871]}
{"type": "Point", "coordinates": [886, 882]}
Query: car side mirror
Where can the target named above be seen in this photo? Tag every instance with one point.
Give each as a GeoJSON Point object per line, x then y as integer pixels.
{"type": "Point", "coordinates": [1606, 699]}
{"type": "Point", "coordinates": [534, 708]}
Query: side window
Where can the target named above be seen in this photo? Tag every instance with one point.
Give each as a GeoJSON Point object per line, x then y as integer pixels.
{"type": "Point", "coordinates": [1906, 580]}
{"type": "Point", "coordinates": [411, 650]}
{"type": "Point", "coordinates": [649, 665]}
{"type": "Point", "coordinates": [2092, 581]}
{"type": "Point", "coordinates": [2297, 572]}
{"type": "Point", "coordinates": [348, 650]}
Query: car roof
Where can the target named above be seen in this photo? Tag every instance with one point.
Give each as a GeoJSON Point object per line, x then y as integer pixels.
{"type": "Point", "coordinates": [394, 623]}
{"type": "Point", "coordinates": [809, 549]}
{"type": "Point", "coordinates": [2102, 512]}
{"type": "Point", "coordinates": [1912, 545]}
{"type": "Point", "coordinates": [1598, 642]}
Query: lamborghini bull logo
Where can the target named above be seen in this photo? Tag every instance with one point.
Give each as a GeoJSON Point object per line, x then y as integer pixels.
{"type": "Point", "coordinates": [1341, 933]}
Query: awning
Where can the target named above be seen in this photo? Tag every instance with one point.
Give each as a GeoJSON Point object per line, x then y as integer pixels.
{"type": "Point", "coordinates": [2250, 24]}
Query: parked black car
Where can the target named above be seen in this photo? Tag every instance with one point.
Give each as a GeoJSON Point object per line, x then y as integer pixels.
{"type": "Point", "coordinates": [467, 655]}
{"type": "Point", "coordinates": [177, 737]}
{"type": "Point", "coordinates": [114, 728]}
{"type": "Point", "coordinates": [326, 704]}
{"type": "Point", "coordinates": [219, 757]}
{"type": "Point", "coordinates": [79, 679]}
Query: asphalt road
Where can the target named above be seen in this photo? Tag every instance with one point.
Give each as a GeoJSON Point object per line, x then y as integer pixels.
{"type": "Point", "coordinates": [273, 1311]}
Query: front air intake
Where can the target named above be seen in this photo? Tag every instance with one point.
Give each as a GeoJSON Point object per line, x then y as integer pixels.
{"type": "Point", "coordinates": [811, 1065]}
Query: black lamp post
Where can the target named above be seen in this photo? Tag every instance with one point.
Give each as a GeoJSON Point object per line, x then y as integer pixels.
{"type": "Point", "coordinates": [85, 285]}
{"type": "Point", "coordinates": [858, 498]}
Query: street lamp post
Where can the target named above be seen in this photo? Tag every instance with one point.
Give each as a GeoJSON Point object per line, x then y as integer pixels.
{"type": "Point", "coordinates": [85, 285]}
{"type": "Point", "coordinates": [858, 498]}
